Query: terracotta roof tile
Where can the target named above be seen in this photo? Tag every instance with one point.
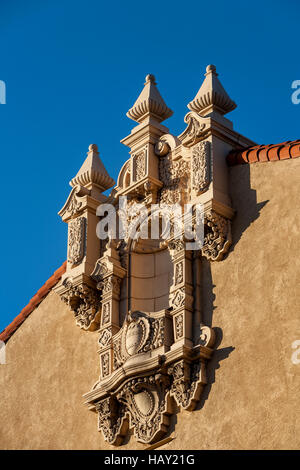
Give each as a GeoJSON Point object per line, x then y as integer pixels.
{"type": "Point", "coordinates": [265, 153]}
{"type": "Point", "coordinates": [34, 302]}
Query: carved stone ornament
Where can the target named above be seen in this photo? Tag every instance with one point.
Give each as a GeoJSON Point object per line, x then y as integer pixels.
{"type": "Point", "coordinates": [217, 236]}
{"type": "Point", "coordinates": [139, 165]}
{"type": "Point", "coordinates": [84, 302]}
{"type": "Point", "coordinates": [147, 377]}
{"type": "Point", "coordinates": [196, 127]}
{"type": "Point", "coordinates": [140, 335]}
{"type": "Point", "coordinates": [151, 362]}
{"type": "Point", "coordinates": [175, 178]}
{"type": "Point", "coordinates": [200, 167]}
{"type": "Point", "coordinates": [76, 240]}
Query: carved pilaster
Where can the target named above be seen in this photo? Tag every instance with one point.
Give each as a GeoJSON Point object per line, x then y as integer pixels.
{"type": "Point", "coordinates": [181, 294]}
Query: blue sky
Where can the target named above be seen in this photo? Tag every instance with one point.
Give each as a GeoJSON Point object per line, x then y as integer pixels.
{"type": "Point", "coordinates": [72, 70]}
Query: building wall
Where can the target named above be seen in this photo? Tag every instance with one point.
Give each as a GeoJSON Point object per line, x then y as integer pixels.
{"type": "Point", "coordinates": [252, 300]}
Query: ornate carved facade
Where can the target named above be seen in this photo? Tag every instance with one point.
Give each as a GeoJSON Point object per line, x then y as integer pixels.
{"type": "Point", "coordinates": [142, 293]}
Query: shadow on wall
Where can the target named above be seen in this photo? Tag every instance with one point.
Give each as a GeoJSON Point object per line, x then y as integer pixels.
{"type": "Point", "coordinates": [247, 211]}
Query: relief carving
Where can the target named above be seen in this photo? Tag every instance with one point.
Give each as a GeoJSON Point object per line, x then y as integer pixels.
{"type": "Point", "coordinates": [84, 302]}
{"type": "Point", "coordinates": [196, 127]}
{"type": "Point", "coordinates": [105, 313]}
{"type": "Point", "coordinates": [139, 335]}
{"type": "Point", "coordinates": [105, 337]}
{"type": "Point", "coordinates": [179, 326]}
{"type": "Point", "coordinates": [200, 167]}
{"type": "Point", "coordinates": [217, 236]}
{"type": "Point", "coordinates": [175, 177]}
{"type": "Point", "coordinates": [76, 240]}
{"type": "Point", "coordinates": [139, 165]}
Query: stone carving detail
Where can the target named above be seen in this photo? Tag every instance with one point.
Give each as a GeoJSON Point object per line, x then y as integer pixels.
{"type": "Point", "coordinates": [100, 270]}
{"type": "Point", "coordinates": [139, 335]}
{"type": "Point", "coordinates": [217, 236]}
{"type": "Point", "coordinates": [179, 326]}
{"type": "Point", "coordinates": [105, 313]}
{"type": "Point", "coordinates": [105, 337]}
{"type": "Point", "coordinates": [74, 206]}
{"type": "Point", "coordinates": [175, 177]}
{"type": "Point", "coordinates": [150, 361]}
{"type": "Point", "coordinates": [139, 165]}
{"type": "Point", "coordinates": [84, 302]}
{"type": "Point", "coordinates": [178, 273]}
{"type": "Point", "coordinates": [105, 364]}
{"type": "Point", "coordinates": [188, 380]}
{"type": "Point", "coordinates": [76, 240]}
{"type": "Point", "coordinates": [178, 298]}
{"type": "Point", "coordinates": [177, 245]}
{"type": "Point", "coordinates": [111, 420]}
{"type": "Point", "coordinates": [200, 166]}
{"type": "Point", "coordinates": [110, 283]}
{"type": "Point", "coordinates": [146, 402]}
{"type": "Point", "coordinates": [196, 126]}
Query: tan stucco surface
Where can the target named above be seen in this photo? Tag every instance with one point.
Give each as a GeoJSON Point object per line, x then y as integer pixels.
{"type": "Point", "coordinates": [251, 298]}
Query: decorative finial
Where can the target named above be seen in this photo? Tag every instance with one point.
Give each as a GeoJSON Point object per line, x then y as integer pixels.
{"type": "Point", "coordinates": [211, 97]}
{"type": "Point", "coordinates": [150, 78]}
{"type": "Point", "coordinates": [93, 148]}
{"type": "Point", "coordinates": [210, 68]}
{"type": "Point", "coordinates": [149, 104]}
{"type": "Point", "coordinates": [93, 172]}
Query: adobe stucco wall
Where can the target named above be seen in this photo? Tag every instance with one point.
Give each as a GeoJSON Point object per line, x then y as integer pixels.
{"type": "Point", "coordinates": [251, 298]}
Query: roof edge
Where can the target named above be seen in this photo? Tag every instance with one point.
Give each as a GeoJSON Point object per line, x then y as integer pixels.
{"type": "Point", "coordinates": [265, 153]}
{"type": "Point", "coordinates": [33, 303]}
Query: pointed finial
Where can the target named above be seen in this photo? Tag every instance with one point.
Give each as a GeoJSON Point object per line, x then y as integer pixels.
{"type": "Point", "coordinates": [93, 172]}
{"type": "Point", "coordinates": [149, 103]}
{"type": "Point", "coordinates": [211, 96]}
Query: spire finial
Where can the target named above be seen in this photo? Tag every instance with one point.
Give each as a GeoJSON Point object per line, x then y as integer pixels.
{"type": "Point", "coordinates": [93, 173]}
{"type": "Point", "coordinates": [211, 97]}
{"type": "Point", "coordinates": [149, 104]}
{"type": "Point", "coordinates": [150, 78]}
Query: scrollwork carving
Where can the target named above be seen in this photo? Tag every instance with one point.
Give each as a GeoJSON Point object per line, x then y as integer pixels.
{"type": "Point", "coordinates": [84, 302]}
{"type": "Point", "coordinates": [217, 236]}
{"type": "Point", "coordinates": [196, 126]}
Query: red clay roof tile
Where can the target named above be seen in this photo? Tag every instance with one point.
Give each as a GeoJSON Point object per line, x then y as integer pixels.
{"type": "Point", "coordinates": [264, 153]}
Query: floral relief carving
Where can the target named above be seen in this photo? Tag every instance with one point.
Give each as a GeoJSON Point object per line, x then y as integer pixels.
{"type": "Point", "coordinates": [105, 364]}
{"type": "Point", "coordinates": [217, 236]}
{"type": "Point", "coordinates": [139, 165]}
{"type": "Point", "coordinates": [84, 302]}
{"type": "Point", "coordinates": [76, 240]}
{"type": "Point", "coordinates": [187, 383]}
{"type": "Point", "coordinates": [175, 177]}
{"type": "Point", "coordinates": [200, 166]}
{"type": "Point", "coordinates": [179, 326]}
{"type": "Point", "coordinates": [111, 420]}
